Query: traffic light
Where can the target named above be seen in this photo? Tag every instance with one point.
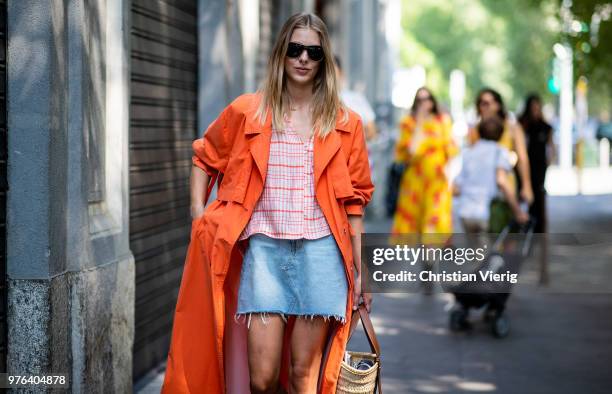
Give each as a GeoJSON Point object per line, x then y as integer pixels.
{"type": "Point", "coordinates": [554, 81]}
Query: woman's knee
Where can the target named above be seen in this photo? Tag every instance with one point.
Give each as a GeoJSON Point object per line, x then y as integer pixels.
{"type": "Point", "coordinates": [305, 367]}
{"type": "Point", "coordinates": [265, 341]}
{"type": "Point", "coordinates": [264, 380]}
{"type": "Point", "coordinates": [304, 376]}
{"type": "Point", "coordinates": [301, 371]}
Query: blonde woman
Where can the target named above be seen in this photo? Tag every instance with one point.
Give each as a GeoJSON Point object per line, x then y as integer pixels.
{"type": "Point", "coordinates": [273, 272]}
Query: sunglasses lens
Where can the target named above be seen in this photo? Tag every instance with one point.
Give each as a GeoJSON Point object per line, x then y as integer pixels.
{"type": "Point", "coordinates": [294, 49]}
{"type": "Point", "coordinates": [315, 53]}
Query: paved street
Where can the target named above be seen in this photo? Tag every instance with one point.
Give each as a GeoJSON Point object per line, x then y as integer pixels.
{"type": "Point", "coordinates": [560, 342]}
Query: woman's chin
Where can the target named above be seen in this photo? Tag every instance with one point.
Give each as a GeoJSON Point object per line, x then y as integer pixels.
{"type": "Point", "coordinates": [301, 80]}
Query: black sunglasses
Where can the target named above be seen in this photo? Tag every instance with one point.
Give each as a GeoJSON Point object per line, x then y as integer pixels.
{"type": "Point", "coordinates": [315, 52]}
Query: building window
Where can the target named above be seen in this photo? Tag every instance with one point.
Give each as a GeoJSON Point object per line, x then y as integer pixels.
{"type": "Point", "coordinates": [94, 93]}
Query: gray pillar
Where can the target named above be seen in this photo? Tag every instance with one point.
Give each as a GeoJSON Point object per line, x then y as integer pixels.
{"type": "Point", "coordinates": [220, 65]}
{"type": "Point", "coordinates": [70, 270]}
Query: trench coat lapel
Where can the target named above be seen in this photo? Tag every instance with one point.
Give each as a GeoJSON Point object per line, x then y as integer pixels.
{"type": "Point", "coordinates": [259, 137]}
{"type": "Point", "coordinates": [324, 150]}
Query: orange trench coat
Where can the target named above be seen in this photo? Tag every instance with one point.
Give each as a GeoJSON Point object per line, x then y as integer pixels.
{"type": "Point", "coordinates": [208, 351]}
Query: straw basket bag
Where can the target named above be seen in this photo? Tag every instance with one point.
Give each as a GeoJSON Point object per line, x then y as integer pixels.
{"type": "Point", "coordinates": [351, 379]}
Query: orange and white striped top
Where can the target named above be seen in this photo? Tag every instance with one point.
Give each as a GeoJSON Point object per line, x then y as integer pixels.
{"type": "Point", "coordinates": [287, 207]}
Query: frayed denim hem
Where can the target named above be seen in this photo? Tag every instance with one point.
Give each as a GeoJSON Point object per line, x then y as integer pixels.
{"type": "Point", "coordinates": [265, 315]}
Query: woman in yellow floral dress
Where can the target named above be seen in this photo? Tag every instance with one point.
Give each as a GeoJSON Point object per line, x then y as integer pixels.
{"type": "Point", "coordinates": [425, 145]}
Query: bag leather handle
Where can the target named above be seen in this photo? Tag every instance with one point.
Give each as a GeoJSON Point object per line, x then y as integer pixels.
{"type": "Point", "coordinates": [362, 314]}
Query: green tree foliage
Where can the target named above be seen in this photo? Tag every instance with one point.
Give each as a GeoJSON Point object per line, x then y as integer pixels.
{"type": "Point", "coordinates": [505, 44]}
{"type": "Point", "coordinates": [593, 54]}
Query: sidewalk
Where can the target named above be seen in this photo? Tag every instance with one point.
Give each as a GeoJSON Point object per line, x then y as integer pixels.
{"type": "Point", "coordinates": [559, 343]}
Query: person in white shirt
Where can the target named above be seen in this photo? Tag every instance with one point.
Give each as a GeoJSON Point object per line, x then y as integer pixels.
{"type": "Point", "coordinates": [483, 175]}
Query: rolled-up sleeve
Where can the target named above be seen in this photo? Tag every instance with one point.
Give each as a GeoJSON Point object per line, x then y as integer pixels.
{"type": "Point", "coordinates": [211, 152]}
{"type": "Point", "coordinates": [359, 170]}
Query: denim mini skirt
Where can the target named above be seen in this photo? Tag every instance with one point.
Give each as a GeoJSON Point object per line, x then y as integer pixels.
{"type": "Point", "coordinates": [302, 277]}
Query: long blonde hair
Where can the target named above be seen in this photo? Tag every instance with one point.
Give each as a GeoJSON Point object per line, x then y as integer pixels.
{"type": "Point", "coordinates": [326, 102]}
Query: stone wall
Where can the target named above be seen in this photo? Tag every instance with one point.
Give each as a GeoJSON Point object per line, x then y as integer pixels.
{"type": "Point", "coordinates": [70, 270]}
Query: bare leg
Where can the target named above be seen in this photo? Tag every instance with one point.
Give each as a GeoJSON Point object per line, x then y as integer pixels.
{"type": "Point", "coordinates": [265, 345]}
{"type": "Point", "coordinates": [307, 342]}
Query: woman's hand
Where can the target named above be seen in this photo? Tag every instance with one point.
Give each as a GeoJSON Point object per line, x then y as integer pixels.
{"type": "Point", "coordinates": [367, 297]}
{"type": "Point", "coordinates": [197, 186]}
{"type": "Point", "coordinates": [455, 189]}
{"type": "Point", "coordinates": [522, 217]}
{"type": "Point", "coordinates": [421, 114]}
{"type": "Point", "coordinates": [527, 194]}
{"type": "Point", "coordinates": [197, 210]}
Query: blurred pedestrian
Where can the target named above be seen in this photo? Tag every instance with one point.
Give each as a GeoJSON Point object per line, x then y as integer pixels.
{"type": "Point", "coordinates": [489, 103]}
{"type": "Point", "coordinates": [426, 146]}
{"type": "Point", "coordinates": [540, 150]}
{"type": "Point", "coordinates": [484, 172]}
{"type": "Point", "coordinates": [356, 101]}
